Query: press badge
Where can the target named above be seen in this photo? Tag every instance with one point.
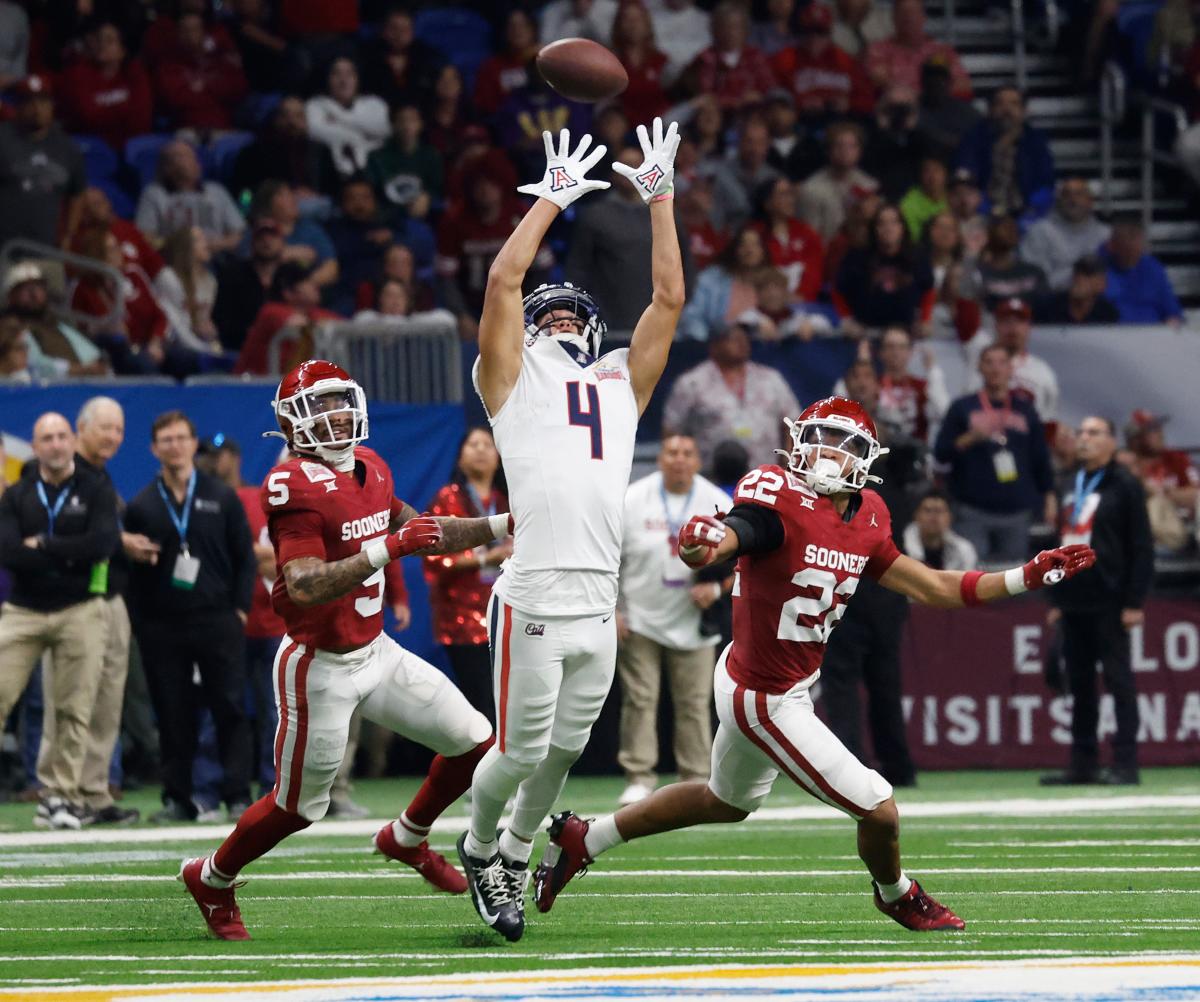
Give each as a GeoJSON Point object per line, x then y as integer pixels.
{"type": "Point", "coordinates": [1006, 466]}
{"type": "Point", "coordinates": [185, 572]}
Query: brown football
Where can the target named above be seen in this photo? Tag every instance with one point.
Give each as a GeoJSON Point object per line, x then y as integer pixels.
{"type": "Point", "coordinates": [582, 70]}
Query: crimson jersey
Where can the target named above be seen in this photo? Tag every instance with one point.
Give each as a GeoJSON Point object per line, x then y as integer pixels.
{"type": "Point", "coordinates": [904, 403]}
{"type": "Point", "coordinates": [315, 511]}
{"type": "Point", "coordinates": [787, 602]}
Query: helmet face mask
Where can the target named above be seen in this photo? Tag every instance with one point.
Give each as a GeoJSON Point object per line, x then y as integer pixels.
{"type": "Point", "coordinates": [321, 411]}
{"type": "Point", "coordinates": [833, 447]}
{"type": "Point", "coordinates": [544, 316]}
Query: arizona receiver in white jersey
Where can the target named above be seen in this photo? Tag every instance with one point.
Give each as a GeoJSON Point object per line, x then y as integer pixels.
{"type": "Point", "coordinates": [564, 422]}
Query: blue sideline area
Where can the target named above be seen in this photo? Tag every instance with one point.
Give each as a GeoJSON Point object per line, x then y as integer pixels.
{"type": "Point", "coordinates": [418, 442]}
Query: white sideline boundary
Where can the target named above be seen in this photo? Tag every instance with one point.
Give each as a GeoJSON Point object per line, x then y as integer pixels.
{"type": "Point", "coordinates": [1019, 807]}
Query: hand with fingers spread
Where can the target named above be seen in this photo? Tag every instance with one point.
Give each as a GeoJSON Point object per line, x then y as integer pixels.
{"type": "Point", "coordinates": [566, 173]}
{"type": "Point", "coordinates": [655, 177]}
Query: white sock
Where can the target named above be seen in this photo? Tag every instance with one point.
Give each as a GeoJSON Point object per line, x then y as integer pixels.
{"type": "Point", "coordinates": [602, 835]}
{"type": "Point", "coordinates": [478, 849]}
{"type": "Point", "coordinates": [212, 877]}
{"type": "Point", "coordinates": [894, 892]}
{"type": "Point", "coordinates": [408, 834]}
{"type": "Point", "coordinates": [538, 794]}
{"type": "Point", "coordinates": [513, 849]}
{"type": "Point", "coordinates": [496, 779]}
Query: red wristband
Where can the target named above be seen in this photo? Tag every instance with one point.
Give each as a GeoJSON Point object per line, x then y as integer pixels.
{"type": "Point", "coordinates": [968, 588]}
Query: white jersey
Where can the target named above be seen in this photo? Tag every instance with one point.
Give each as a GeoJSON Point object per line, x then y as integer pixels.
{"type": "Point", "coordinates": [566, 436]}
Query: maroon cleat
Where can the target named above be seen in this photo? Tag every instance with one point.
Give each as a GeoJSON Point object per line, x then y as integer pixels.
{"type": "Point", "coordinates": [429, 864]}
{"type": "Point", "coordinates": [919, 912]}
{"type": "Point", "coordinates": [217, 905]}
{"type": "Point", "coordinates": [565, 856]}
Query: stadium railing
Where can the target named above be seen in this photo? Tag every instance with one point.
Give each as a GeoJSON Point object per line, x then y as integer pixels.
{"type": "Point", "coordinates": [57, 266]}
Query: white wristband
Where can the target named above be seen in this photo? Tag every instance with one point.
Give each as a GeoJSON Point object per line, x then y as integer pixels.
{"type": "Point", "coordinates": [377, 553]}
{"type": "Point", "coordinates": [1014, 580]}
{"type": "Point", "coordinates": [499, 524]}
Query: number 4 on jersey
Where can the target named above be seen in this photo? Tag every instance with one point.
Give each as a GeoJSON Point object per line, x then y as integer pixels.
{"type": "Point", "coordinates": [589, 418]}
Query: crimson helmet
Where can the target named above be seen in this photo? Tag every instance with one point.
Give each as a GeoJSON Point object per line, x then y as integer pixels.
{"type": "Point", "coordinates": [308, 397]}
{"type": "Point", "coordinates": [840, 426]}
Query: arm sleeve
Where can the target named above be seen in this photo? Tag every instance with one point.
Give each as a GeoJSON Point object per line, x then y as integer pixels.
{"type": "Point", "coordinates": [241, 552]}
{"type": "Point", "coordinates": [1141, 548]}
{"type": "Point", "coordinates": [759, 530]}
{"type": "Point", "coordinates": [100, 539]}
{"type": "Point", "coordinates": [296, 534]}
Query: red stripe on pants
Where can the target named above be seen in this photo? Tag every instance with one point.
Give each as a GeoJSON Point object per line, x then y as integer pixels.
{"type": "Point", "coordinates": [743, 722]}
{"type": "Point", "coordinates": [281, 730]}
{"type": "Point", "coordinates": [793, 753]}
{"type": "Point", "coordinates": [296, 776]}
{"type": "Point", "coordinates": [505, 661]}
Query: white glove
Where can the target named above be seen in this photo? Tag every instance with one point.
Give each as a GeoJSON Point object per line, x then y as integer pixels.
{"type": "Point", "coordinates": [565, 178]}
{"type": "Point", "coordinates": [656, 175]}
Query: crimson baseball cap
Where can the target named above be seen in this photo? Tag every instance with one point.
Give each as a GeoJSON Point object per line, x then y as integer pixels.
{"type": "Point", "coordinates": [34, 85]}
{"type": "Point", "coordinates": [1013, 307]}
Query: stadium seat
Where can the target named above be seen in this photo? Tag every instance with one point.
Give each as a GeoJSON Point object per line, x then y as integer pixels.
{"type": "Point", "coordinates": [100, 161]}
{"type": "Point", "coordinates": [462, 36]}
{"type": "Point", "coordinates": [141, 153]}
{"type": "Point", "coordinates": [218, 156]}
{"type": "Point", "coordinates": [256, 109]}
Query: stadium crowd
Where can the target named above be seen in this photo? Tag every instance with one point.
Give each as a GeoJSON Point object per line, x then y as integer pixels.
{"type": "Point", "coordinates": [206, 184]}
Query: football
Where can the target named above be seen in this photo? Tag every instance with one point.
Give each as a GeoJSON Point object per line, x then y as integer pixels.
{"type": "Point", "coordinates": [582, 70]}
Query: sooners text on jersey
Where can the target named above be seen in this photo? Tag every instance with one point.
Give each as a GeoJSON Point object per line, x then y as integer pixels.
{"type": "Point", "coordinates": [315, 511]}
{"type": "Point", "coordinates": [787, 602]}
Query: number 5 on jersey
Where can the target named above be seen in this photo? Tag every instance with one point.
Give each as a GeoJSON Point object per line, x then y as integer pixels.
{"type": "Point", "coordinates": [589, 418]}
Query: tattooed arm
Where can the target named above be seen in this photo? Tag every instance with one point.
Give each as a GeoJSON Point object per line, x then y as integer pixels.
{"type": "Point", "coordinates": [458, 534]}
{"type": "Point", "coordinates": [312, 581]}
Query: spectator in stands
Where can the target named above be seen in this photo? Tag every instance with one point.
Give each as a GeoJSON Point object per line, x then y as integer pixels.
{"type": "Point", "coordinates": [198, 86]}
{"type": "Point", "coordinates": [927, 199]}
{"type": "Point", "coordinates": [795, 151]}
{"type": "Point", "coordinates": [1000, 470]}
{"type": "Point", "coordinates": [394, 308]}
{"type": "Point", "coordinates": [792, 245]}
{"type": "Point", "coordinates": [1107, 511]}
{"type": "Point", "coordinates": [108, 93]}
{"type": "Point", "coordinates": [476, 153]}
{"type": "Point", "coordinates": [1083, 301]}
{"type": "Point", "coordinates": [499, 75]}
{"type": "Point", "coordinates": [41, 169]}
{"type": "Point", "coordinates": [735, 181]}
{"type": "Point", "coordinates": [294, 305]}
{"type": "Point", "coordinates": [1070, 231]}
{"type": "Point", "coordinates": [942, 118]}
{"type": "Point", "coordinates": [859, 23]}
{"type": "Point", "coordinates": [529, 111]}
{"type": "Point", "coordinates": [942, 243]}
{"type": "Point", "coordinates": [189, 607]}
{"type": "Point", "coordinates": [705, 133]}
{"type": "Point", "coordinates": [1169, 477]}
{"type": "Point", "coordinates": [267, 62]}
{"type": "Point", "coordinates": [776, 315]}
{"type": "Point", "coordinates": [659, 620]}
{"type": "Point", "coordinates": [730, 70]}
{"type": "Point", "coordinates": [305, 241]}
{"type": "Point", "coordinates": [1031, 375]}
{"type": "Point", "coordinates": [776, 30]}
{"type": "Point", "coordinates": [999, 273]}
{"type": "Point", "coordinates": [406, 171]}
{"type": "Point", "coordinates": [683, 32]}
{"type": "Point", "coordinates": [855, 231]}
{"type": "Point", "coordinates": [634, 44]}
{"type": "Point", "coordinates": [728, 397]}
{"type": "Point", "coordinates": [54, 348]}
{"type": "Point", "coordinates": [898, 60]}
{"type": "Point", "coordinates": [592, 19]}
{"type": "Point", "coordinates": [727, 288]}
{"type": "Point", "coordinates": [96, 210]}
{"type": "Point", "coordinates": [886, 283]}
{"type": "Point", "coordinates": [911, 405]}
{"type": "Point", "coordinates": [1010, 158]}
{"type": "Point", "coordinates": [1138, 284]}
{"type": "Point", "coordinates": [823, 196]}
{"type": "Point", "coordinates": [470, 235]}
{"type": "Point", "coordinates": [450, 113]}
{"type": "Point", "coordinates": [964, 198]}
{"type": "Point", "coordinates": [611, 127]}
{"type": "Point", "coordinates": [57, 605]}
{"type": "Point", "coordinates": [694, 205]}
{"type": "Point", "coordinates": [929, 538]}
{"type": "Point", "coordinates": [243, 283]}
{"type": "Point", "coordinates": [284, 151]}
{"type": "Point", "coordinates": [894, 147]}
{"type": "Point", "coordinates": [187, 288]}
{"type": "Point", "coordinates": [400, 266]}
{"type": "Point", "coordinates": [460, 584]}
{"type": "Point", "coordinates": [826, 82]}
{"type": "Point", "coordinates": [179, 197]}
{"type": "Point", "coordinates": [14, 43]}
{"type": "Point", "coordinates": [160, 42]}
{"type": "Point", "coordinates": [398, 66]}
{"type": "Point", "coordinates": [14, 355]}
{"type": "Point", "coordinates": [360, 233]}
{"type": "Point", "coordinates": [351, 124]}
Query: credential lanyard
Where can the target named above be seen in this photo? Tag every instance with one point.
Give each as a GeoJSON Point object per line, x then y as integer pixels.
{"type": "Point", "coordinates": [674, 526]}
{"type": "Point", "coordinates": [1084, 488]}
{"type": "Point", "coordinates": [180, 520]}
{"type": "Point", "coordinates": [52, 513]}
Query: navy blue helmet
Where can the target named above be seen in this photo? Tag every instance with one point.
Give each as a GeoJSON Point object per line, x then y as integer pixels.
{"type": "Point", "coordinates": [545, 299]}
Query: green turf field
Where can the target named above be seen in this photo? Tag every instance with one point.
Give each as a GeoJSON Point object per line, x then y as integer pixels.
{"type": "Point", "coordinates": [1034, 874]}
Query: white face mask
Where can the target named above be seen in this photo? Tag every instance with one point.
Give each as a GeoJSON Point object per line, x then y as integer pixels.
{"type": "Point", "coordinates": [578, 340]}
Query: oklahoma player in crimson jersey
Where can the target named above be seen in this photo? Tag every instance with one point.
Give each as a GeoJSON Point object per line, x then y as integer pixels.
{"type": "Point", "coordinates": [803, 537]}
{"type": "Point", "coordinates": [335, 524]}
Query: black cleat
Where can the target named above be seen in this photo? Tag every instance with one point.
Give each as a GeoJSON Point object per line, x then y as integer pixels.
{"type": "Point", "coordinates": [497, 891]}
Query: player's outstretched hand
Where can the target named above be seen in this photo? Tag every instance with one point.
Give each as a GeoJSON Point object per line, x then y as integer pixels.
{"type": "Point", "coordinates": [1052, 566]}
{"type": "Point", "coordinates": [699, 539]}
{"type": "Point", "coordinates": [656, 176]}
{"type": "Point", "coordinates": [566, 173]}
{"type": "Point", "coordinates": [418, 533]}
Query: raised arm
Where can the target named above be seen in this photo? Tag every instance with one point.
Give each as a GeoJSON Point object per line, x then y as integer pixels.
{"type": "Point", "coordinates": [655, 330]}
{"type": "Point", "coordinates": [502, 323]}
